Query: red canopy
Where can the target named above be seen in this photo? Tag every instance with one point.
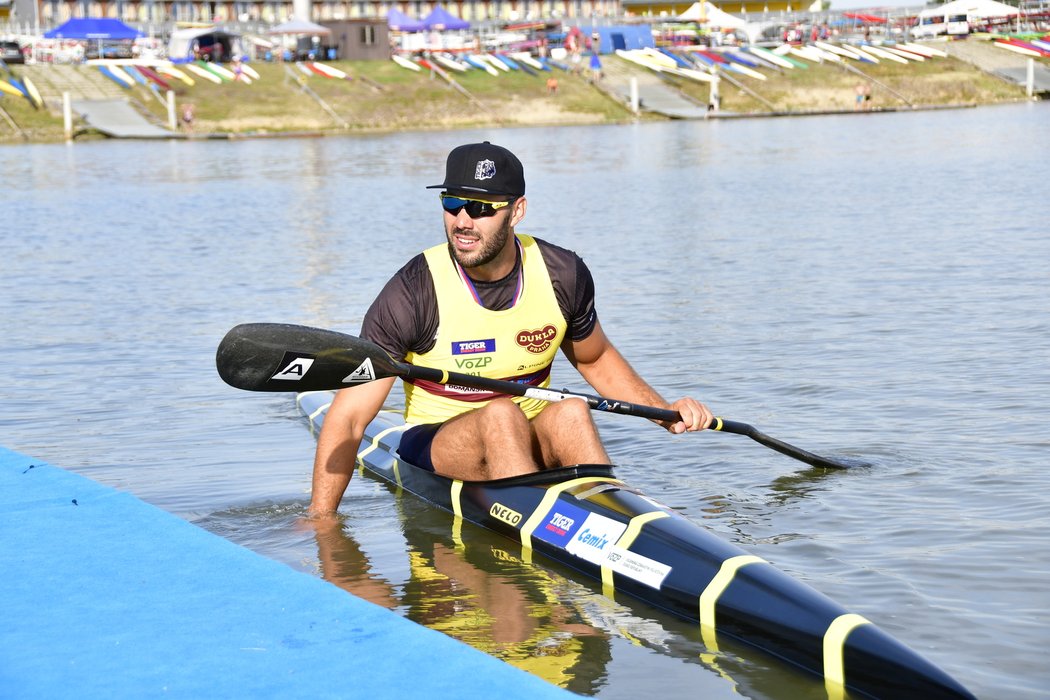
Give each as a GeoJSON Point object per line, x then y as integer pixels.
{"type": "Point", "coordinates": [865, 18]}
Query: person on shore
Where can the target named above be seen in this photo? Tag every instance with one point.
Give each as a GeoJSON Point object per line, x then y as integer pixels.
{"type": "Point", "coordinates": [596, 68]}
{"type": "Point", "coordinates": [188, 112]}
{"type": "Point", "coordinates": [499, 304]}
{"type": "Point", "coordinates": [862, 93]}
{"type": "Point", "coordinates": [552, 86]}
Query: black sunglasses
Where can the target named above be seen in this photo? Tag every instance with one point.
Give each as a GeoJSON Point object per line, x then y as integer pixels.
{"type": "Point", "coordinates": [476, 208]}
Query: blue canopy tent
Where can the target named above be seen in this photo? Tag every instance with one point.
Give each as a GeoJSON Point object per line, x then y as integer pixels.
{"type": "Point", "coordinates": [400, 22]}
{"type": "Point", "coordinates": [93, 28]}
{"type": "Point", "coordinates": [97, 29]}
{"type": "Point", "coordinates": [440, 18]}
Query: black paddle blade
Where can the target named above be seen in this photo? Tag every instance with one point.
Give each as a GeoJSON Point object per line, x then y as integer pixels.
{"type": "Point", "coordinates": [285, 357]}
{"type": "Point", "coordinates": [732, 426]}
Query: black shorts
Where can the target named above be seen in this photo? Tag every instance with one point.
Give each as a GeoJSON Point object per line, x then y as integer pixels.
{"type": "Point", "coordinates": [415, 443]}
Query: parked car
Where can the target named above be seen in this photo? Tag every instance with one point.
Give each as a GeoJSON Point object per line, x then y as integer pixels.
{"type": "Point", "coordinates": [11, 52]}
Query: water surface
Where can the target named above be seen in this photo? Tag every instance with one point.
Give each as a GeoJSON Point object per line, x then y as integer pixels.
{"type": "Point", "coordinates": [867, 287]}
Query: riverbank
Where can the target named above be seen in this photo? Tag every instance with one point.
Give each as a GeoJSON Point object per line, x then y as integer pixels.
{"type": "Point", "coordinates": [380, 96]}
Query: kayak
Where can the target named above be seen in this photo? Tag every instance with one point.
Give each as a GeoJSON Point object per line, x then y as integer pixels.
{"type": "Point", "coordinates": [585, 518]}
{"type": "Point", "coordinates": [202, 73]}
{"type": "Point", "coordinates": [330, 71]}
{"type": "Point", "coordinates": [405, 63]}
{"type": "Point", "coordinates": [32, 93]}
{"type": "Point", "coordinates": [170, 70]}
{"type": "Point", "coordinates": [155, 77]}
{"type": "Point", "coordinates": [480, 62]}
{"type": "Point", "coordinates": [451, 64]}
{"type": "Point", "coordinates": [122, 79]}
{"type": "Point", "coordinates": [10, 89]}
{"type": "Point", "coordinates": [903, 53]}
{"type": "Point", "coordinates": [225, 73]}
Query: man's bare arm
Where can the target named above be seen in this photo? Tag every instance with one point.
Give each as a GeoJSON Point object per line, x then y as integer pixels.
{"type": "Point", "coordinates": [609, 373]}
{"type": "Point", "coordinates": [344, 426]}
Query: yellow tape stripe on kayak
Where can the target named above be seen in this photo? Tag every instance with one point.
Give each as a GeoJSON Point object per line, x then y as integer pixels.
{"type": "Point", "coordinates": [834, 643]}
{"type": "Point", "coordinates": [312, 416]}
{"type": "Point", "coordinates": [546, 504]}
{"type": "Point", "coordinates": [457, 489]}
{"type": "Point", "coordinates": [374, 445]}
{"type": "Point", "coordinates": [457, 509]}
{"type": "Point", "coordinates": [634, 527]}
{"type": "Point", "coordinates": [714, 591]}
{"type": "Point", "coordinates": [319, 411]}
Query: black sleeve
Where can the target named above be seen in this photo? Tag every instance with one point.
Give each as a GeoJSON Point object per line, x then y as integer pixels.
{"type": "Point", "coordinates": [403, 317]}
{"type": "Point", "coordinates": [574, 288]}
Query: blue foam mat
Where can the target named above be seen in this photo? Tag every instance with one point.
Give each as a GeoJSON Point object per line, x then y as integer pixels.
{"type": "Point", "coordinates": [104, 595]}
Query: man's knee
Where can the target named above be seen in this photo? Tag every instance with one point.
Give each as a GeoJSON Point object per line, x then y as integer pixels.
{"type": "Point", "coordinates": [502, 413]}
{"type": "Point", "coordinates": [575, 411]}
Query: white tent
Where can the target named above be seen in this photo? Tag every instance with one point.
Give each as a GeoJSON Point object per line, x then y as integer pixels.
{"type": "Point", "coordinates": [705, 11]}
{"type": "Point", "coordinates": [299, 26]}
{"type": "Point", "coordinates": [973, 9]}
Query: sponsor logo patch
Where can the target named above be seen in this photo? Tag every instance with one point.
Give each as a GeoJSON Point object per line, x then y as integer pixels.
{"type": "Point", "coordinates": [595, 538]}
{"type": "Point", "coordinates": [538, 340]}
{"type": "Point", "coordinates": [637, 566]}
{"type": "Point", "coordinates": [473, 362]}
{"type": "Point", "coordinates": [561, 524]}
{"type": "Point", "coordinates": [502, 512]}
{"type": "Point", "coordinates": [471, 347]}
{"type": "Point", "coordinates": [294, 367]}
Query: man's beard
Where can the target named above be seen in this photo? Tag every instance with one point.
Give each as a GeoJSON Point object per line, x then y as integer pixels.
{"type": "Point", "coordinates": [487, 253]}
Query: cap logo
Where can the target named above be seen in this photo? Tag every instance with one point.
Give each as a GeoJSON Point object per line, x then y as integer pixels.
{"type": "Point", "coordinates": [486, 170]}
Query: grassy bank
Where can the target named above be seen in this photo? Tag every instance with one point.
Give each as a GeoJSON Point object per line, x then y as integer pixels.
{"type": "Point", "coordinates": [382, 96]}
{"type": "Point", "coordinates": [830, 86]}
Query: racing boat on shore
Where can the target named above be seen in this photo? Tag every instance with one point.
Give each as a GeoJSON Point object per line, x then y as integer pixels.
{"type": "Point", "coordinates": [585, 518]}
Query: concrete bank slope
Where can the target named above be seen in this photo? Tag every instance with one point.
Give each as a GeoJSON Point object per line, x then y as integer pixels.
{"type": "Point", "coordinates": [105, 596]}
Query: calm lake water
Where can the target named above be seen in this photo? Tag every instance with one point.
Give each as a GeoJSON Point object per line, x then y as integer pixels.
{"type": "Point", "coordinates": [872, 287]}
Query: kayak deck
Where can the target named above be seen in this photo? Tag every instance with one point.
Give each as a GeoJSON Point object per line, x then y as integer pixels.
{"type": "Point", "coordinates": [587, 519]}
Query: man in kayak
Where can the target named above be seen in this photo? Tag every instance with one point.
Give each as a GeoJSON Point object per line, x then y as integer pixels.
{"type": "Point", "coordinates": [490, 302]}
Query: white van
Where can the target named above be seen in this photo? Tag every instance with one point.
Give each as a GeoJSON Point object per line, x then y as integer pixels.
{"type": "Point", "coordinates": [935, 25]}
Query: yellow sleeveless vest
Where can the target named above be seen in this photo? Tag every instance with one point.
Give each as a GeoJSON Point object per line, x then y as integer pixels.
{"type": "Point", "coordinates": [515, 344]}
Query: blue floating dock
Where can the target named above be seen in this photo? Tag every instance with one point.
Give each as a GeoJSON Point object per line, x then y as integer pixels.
{"type": "Point", "coordinates": [107, 596]}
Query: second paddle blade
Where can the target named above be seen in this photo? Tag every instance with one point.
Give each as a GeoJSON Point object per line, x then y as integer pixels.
{"type": "Point", "coordinates": [285, 357]}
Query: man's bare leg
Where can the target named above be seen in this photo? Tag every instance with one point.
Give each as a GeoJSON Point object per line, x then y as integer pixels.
{"type": "Point", "coordinates": [498, 441]}
{"type": "Point", "coordinates": [564, 433]}
{"type": "Point", "coordinates": [492, 442]}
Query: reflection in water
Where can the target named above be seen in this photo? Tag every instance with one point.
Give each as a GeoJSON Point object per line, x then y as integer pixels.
{"type": "Point", "coordinates": [479, 594]}
{"type": "Point", "coordinates": [477, 589]}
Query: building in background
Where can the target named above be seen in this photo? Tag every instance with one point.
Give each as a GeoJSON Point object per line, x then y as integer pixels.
{"type": "Point", "coordinates": [53, 12]}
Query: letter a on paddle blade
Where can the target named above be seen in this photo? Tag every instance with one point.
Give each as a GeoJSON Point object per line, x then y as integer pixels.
{"type": "Point", "coordinates": [295, 368]}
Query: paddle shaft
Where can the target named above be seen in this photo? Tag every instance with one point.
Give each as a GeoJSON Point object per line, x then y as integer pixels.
{"type": "Point", "coordinates": [612, 406]}
{"type": "Point", "coordinates": [283, 357]}
{"type": "Point", "coordinates": [499, 386]}
{"type": "Point", "coordinates": [598, 403]}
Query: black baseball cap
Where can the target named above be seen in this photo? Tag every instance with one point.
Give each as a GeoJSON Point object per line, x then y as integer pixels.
{"type": "Point", "coordinates": [483, 168]}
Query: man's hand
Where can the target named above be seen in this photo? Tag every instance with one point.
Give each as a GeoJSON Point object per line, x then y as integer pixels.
{"type": "Point", "coordinates": [695, 416]}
